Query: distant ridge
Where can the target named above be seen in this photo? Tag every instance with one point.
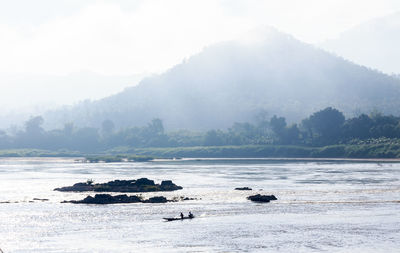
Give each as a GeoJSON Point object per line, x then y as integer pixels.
{"type": "Point", "coordinates": [234, 81]}
{"type": "Point", "coordinates": [374, 44]}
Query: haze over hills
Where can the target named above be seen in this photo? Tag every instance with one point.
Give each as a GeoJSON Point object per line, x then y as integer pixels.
{"type": "Point", "coordinates": [29, 94]}
{"type": "Point", "coordinates": [236, 80]}
{"type": "Point", "coordinates": [373, 44]}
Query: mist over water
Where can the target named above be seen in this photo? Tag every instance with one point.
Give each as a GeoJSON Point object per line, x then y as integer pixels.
{"type": "Point", "coordinates": [334, 206]}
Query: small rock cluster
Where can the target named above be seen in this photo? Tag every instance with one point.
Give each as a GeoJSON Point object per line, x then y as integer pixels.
{"type": "Point", "coordinates": [243, 189]}
{"type": "Point", "coordinates": [262, 198]}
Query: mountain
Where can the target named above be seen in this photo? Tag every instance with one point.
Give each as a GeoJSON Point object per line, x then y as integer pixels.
{"type": "Point", "coordinates": [28, 94]}
{"type": "Point", "coordinates": [236, 80]}
{"type": "Point", "coordinates": [374, 44]}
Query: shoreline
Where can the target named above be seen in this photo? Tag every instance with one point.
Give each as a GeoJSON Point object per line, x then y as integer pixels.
{"type": "Point", "coordinates": [345, 152]}
{"type": "Point", "coordinates": [272, 159]}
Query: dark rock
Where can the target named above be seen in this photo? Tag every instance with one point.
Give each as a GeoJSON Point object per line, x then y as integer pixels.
{"type": "Point", "coordinates": [103, 199]}
{"type": "Point", "coordinates": [262, 198]}
{"type": "Point", "coordinates": [187, 198]}
{"type": "Point", "coordinates": [107, 199]}
{"type": "Point", "coordinates": [78, 187]}
{"type": "Point", "coordinates": [157, 199]}
{"type": "Point", "coordinates": [243, 189]}
{"type": "Point", "coordinates": [144, 181]}
{"type": "Point", "coordinates": [166, 183]}
{"type": "Point", "coordinates": [140, 185]}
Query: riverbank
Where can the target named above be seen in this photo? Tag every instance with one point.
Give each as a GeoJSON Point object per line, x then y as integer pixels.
{"type": "Point", "coordinates": [363, 151]}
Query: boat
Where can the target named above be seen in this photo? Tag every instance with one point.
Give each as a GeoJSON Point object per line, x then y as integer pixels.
{"type": "Point", "coordinates": [173, 219]}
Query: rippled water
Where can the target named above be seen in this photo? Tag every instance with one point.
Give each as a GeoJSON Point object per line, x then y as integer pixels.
{"type": "Point", "coordinates": [332, 206]}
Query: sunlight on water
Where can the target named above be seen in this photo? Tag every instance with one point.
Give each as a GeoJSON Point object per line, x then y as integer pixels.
{"type": "Point", "coordinates": [331, 206]}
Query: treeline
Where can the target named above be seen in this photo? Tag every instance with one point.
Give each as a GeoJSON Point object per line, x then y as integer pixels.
{"type": "Point", "coordinates": [325, 127]}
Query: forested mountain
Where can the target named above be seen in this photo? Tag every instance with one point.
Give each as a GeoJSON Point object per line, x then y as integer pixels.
{"type": "Point", "coordinates": [373, 44]}
{"type": "Point", "coordinates": [236, 81]}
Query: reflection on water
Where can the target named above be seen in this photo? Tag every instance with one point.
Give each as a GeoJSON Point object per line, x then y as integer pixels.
{"type": "Point", "coordinates": [334, 206]}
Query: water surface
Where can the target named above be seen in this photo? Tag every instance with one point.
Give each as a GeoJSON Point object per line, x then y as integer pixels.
{"type": "Point", "coordinates": [332, 206]}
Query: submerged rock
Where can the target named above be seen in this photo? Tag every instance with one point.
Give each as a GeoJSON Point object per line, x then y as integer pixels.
{"type": "Point", "coordinates": [243, 189]}
{"type": "Point", "coordinates": [139, 185]}
{"type": "Point", "coordinates": [187, 198]}
{"type": "Point", "coordinates": [261, 198]}
{"type": "Point", "coordinates": [41, 199]}
{"type": "Point", "coordinates": [181, 198]}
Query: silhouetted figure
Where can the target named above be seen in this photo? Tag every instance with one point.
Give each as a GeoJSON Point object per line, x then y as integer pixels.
{"type": "Point", "coordinates": [182, 216]}
{"type": "Point", "coordinates": [191, 215]}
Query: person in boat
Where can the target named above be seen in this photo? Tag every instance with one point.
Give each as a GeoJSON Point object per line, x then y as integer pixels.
{"type": "Point", "coordinates": [191, 215]}
{"type": "Point", "coordinates": [182, 216]}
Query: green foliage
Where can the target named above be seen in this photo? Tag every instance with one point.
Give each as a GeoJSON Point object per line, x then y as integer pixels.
{"type": "Point", "coordinates": [375, 135]}
{"type": "Point", "coordinates": [278, 151]}
{"type": "Point", "coordinates": [325, 126]}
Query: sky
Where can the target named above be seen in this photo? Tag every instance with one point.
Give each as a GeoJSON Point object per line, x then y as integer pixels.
{"type": "Point", "coordinates": [45, 42]}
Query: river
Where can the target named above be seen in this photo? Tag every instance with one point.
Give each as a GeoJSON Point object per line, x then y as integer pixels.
{"type": "Point", "coordinates": [323, 205]}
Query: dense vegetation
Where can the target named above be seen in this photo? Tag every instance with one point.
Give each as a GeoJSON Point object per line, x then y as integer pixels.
{"type": "Point", "coordinates": [325, 133]}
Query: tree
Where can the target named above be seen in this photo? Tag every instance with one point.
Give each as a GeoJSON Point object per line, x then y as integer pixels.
{"type": "Point", "coordinates": [325, 126]}
{"type": "Point", "coordinates": [214, 138]}
{"type": "Point", "coordinates": [33, 135]}
{"type": "Point", "coordinates": [278, 126]}
{"type": "Point", "coordinates": [86, 139]}
{"type": "Point", "coordinates": [291, 135]}
{"type": "Point", "coordinates": [34, 125]}
{"type": "Point", "coordinates": [358, 127]}
{"type": "Point", "coordinates": [153, 135]}
{"type": "Point", "coordinates": [384, 126]}
{"type": "Point", "coordinates": [156, 127]}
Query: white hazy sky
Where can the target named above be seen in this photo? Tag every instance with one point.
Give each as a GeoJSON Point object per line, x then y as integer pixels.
{"type": "Point", "coordinates": [127, 37]}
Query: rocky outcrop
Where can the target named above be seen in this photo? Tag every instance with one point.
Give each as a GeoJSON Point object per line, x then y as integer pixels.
{"type": "Point", "coordinates": [139, 185]}
{"type": "Point", "coordinates": [78, 187]}
{"type": "Point", "coordinates": [103, 199]}
{"type": "Point", "coordinates": [243, 189]}
{"type": "Point", "coordinates": [107, 199]}
{"type": "Point", "coordinates": [157, 199]}
{"type": "Point", "coordinates": [262, 198]}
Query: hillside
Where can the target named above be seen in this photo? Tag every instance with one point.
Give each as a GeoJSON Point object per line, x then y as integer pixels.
{"type": "Point", "coordinates": [234, 81]}
{"type": "Point", "coordinates": [373, 44]}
